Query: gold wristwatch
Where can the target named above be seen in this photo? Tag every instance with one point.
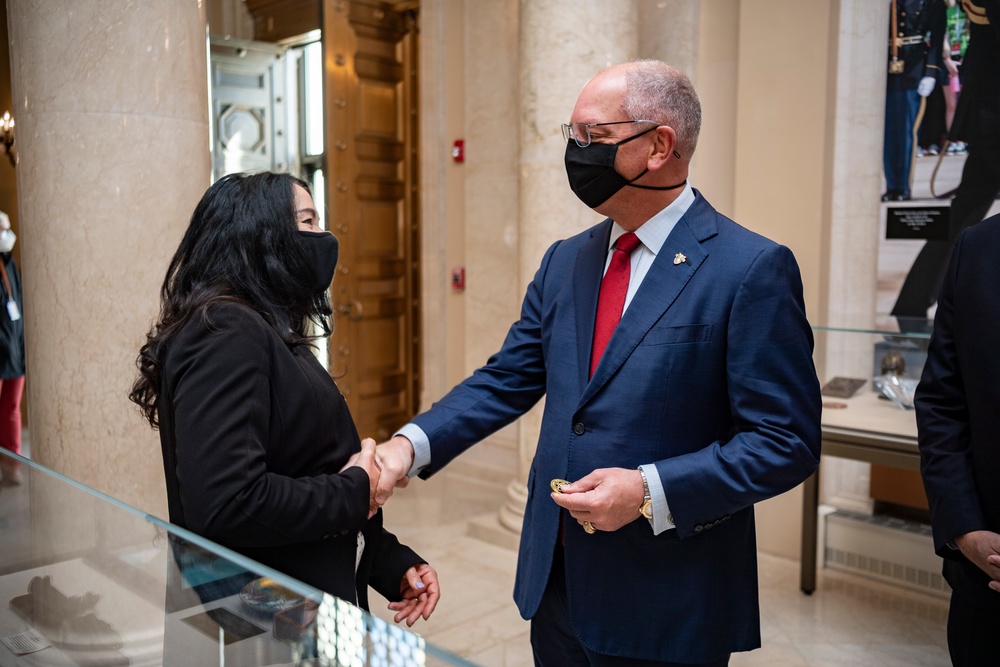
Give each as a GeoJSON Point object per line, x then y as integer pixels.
{"type": "Point", "coordinates": [646, 509]}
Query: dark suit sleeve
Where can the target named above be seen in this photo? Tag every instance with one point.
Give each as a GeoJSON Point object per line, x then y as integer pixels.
{"type": "Point", "coordinates": [390, 563]}
{"type": "Point", "coordinates": [934, 65]}
{"type": "Point", "coordinates": [510, 383]}
{"type": "Point", "coordinates": [221, 405]}
{"type": "Point", "coordinates": [774, 401]}
{"type": "Point", "coordinates": [943, 433]}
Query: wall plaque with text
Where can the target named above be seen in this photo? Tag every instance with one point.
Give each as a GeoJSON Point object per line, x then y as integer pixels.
{"type": "Point", "coordinates": [917, 222]}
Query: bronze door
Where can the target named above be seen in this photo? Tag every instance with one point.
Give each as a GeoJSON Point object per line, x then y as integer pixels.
{"type": "Point", "coordinates": [371, 147]}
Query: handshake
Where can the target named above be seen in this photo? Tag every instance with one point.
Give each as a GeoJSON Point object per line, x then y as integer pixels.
{"type": "Point", "coordinates": [387, 466]}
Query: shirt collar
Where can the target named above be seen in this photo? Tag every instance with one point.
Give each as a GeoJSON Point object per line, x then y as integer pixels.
{"type": "Point", "coordinates": [654, 232]}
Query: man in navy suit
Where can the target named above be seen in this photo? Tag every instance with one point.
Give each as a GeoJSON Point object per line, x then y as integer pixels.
{"type": "Point", "coordinates": [703, 401]}
{"type": "Point", "coordinates": [958, 431]}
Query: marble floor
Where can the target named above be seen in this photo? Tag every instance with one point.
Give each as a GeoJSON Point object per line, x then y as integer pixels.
{"type": "Point", "coordinates": [849, 621]}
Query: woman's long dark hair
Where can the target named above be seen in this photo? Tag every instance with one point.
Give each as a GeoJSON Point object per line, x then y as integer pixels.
{"type": "Point", "coordinates": [242, 246]}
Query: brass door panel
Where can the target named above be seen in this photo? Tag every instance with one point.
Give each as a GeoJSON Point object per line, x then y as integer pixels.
{"type": "Point", "coordinates": [371, 135]}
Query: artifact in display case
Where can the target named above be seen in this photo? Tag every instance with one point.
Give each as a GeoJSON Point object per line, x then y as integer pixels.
{"type": "Point", "coordinates": [70, 623]}
{"type": "Point", "coordinates": [892, 382]}
{"type": "Point", "coordinates": [266, 597]}
{"type": "Point", "coordinates": [898, 360]}
{"type": "Point", "coordinates": [221, 621]}
{"type": "Point", "coordinates": [841, 387]}
{"type": "Point", "coordinates": [292, 623]}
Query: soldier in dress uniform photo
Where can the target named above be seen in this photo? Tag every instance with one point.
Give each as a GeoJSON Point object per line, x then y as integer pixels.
{"type": "Point", "coordinates": [916, 36]}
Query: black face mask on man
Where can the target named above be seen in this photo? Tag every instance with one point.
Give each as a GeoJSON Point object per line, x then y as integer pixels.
{"type": "Point", "coordinates": [322, 250]}
{"type": "Point", "coordinates": [592, 175]}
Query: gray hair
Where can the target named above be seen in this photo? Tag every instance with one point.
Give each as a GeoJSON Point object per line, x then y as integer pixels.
{"type": "Point", "coordinates": [657, 91]}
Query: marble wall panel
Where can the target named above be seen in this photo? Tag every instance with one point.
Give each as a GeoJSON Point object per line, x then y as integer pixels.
{"type": "Point", "coordinates": [493, 292]}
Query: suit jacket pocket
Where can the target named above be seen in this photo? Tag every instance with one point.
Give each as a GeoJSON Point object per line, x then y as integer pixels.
{"type": "Point", "coordinates": [687, 333]}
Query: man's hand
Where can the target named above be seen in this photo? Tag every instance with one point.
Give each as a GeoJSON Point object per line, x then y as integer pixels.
{"type": "Point", "coordinates": [926, 86]}
{"type": "Point", "coordinates": [608, 498]}
{"type": "Point", "coordinates": [365, 459]}
{"type": "Point", "coordinates": [982, 547]}
{"type": "Point", "coordinates": [421, 593]}
{"type": "Point", "coordinates": [396, 457]}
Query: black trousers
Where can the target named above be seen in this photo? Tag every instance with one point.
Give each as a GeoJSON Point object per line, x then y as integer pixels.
{"type": "Point", "coordinates": [553, 642]}
{"type": "Point", "coordinates": [973, 618]}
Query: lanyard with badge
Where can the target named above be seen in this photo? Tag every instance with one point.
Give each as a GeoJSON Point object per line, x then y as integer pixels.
{"type": "Point", "coordinates": [12, 309]}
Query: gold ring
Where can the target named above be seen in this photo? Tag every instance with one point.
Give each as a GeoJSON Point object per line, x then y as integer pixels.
{"type": "Point", "coordinates": [589, 527]}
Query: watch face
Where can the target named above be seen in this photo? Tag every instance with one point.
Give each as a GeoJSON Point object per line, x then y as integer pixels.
{"type": "Point", "coordinates": [647, 509]}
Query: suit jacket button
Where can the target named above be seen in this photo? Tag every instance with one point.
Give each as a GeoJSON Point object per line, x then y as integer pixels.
{"type": "Point", "coordinates": [579, 428]}
{"type": "Point", "coordinates": [699, 528]}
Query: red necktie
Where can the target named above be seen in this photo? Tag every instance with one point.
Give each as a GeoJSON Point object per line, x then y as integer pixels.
{"type": "Point", "coordinates": [611, 299]}
{"type": "Point", "coordinates": [610, 303]}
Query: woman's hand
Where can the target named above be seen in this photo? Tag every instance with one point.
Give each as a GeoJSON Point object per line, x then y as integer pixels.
{"type": "Point", "coordinates": [952, 66]}
{"type": "Point", "coordinates": [421, 593]}
{"type": "Point", "coordinates": [366, 460]}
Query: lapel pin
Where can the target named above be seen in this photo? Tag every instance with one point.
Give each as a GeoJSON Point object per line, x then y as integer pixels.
{"type": "Point", "coordinates": [679, 258]}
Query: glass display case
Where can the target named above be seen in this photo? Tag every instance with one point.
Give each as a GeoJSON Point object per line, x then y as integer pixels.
{"type": "Point", "coordinates": [87, 580]}
{"type": "Point", "coordinates": [867, 375]}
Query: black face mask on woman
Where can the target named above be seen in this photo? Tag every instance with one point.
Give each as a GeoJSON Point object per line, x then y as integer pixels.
{"type": "Point", "coordinates": [592, 175]}
{"type": "Point", "coordinates": [322, 250]}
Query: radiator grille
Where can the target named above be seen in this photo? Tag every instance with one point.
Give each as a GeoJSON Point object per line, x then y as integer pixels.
{"type": "Point", "coordinates": [894, 551]}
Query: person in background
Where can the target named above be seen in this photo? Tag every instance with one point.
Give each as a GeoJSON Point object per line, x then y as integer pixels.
{"type": "Point", "coordinates": [977, 120]}
{"type": "Point", "coordinates": [914, 64]}
{"type": "Point", "coordinates": [260, 452]}
{"type": "Point", "coordinates": [12, 365]}
{"type": "Point", "coordinates": [671, 423]}
{"type": "Point", "coordinates": [956, 41]}
{"type": "Point", "coordinates": [958, 433]}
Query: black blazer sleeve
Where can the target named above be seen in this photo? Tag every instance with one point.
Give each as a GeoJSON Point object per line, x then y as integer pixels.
{"type": "Point", "coordinates": [389, 562]}
{"type": "Point", "coordinates": [220, 393]}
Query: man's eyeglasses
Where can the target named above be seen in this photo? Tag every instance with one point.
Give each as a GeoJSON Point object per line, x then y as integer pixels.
{"type": "Point", "coordinates": [580, 132]}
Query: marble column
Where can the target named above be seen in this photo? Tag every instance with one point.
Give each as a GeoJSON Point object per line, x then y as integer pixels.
{"type": "Point", "coordinates": [854, 219]}
{"type": "Point", "coordinates": [668, 31]}
{"type": "Point", "coordinates": [562, 44]}
{"type": "Point", "coordinates": [111, 102]}
{"type": "Point", "coordinates": [492, 298]}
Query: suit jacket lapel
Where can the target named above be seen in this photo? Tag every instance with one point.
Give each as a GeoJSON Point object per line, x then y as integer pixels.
{"type": "Point", "coordinates": [659, 290]}
{"type": "Point", "coordinates": [587, 274]}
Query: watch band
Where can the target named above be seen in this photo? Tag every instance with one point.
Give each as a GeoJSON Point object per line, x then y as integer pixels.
{"type": "Point", "coordinates": [646, 509]}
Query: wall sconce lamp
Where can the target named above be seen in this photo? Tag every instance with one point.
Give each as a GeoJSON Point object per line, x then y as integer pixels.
{"type": "Point", "coordinates": [7, 134]}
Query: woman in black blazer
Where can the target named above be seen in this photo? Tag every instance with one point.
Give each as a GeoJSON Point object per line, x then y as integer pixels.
{"type": "Point", "coordinates": [260, 451]}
